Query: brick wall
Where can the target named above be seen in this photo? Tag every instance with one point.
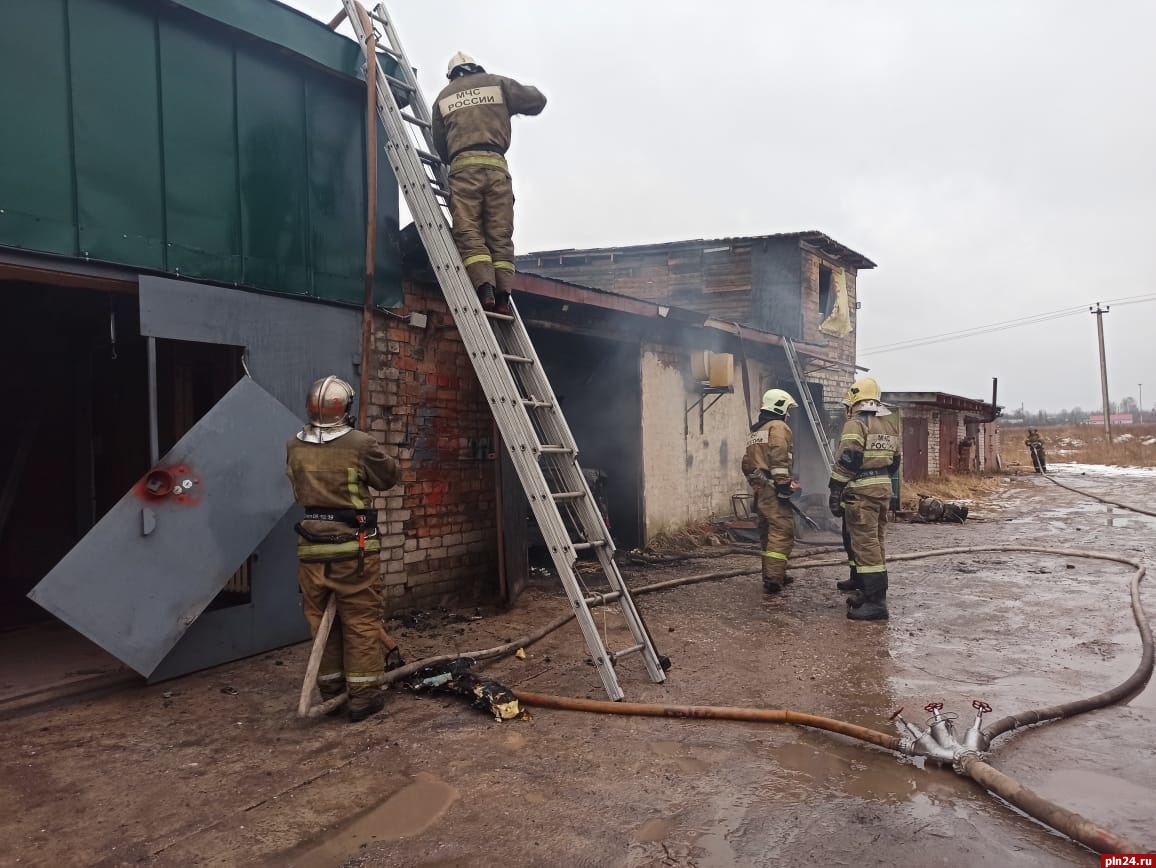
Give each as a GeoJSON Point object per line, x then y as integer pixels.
{"type": "Point", "coordinates": [438, 526]}
{"type": "Point", "coordinates": [689, 475]}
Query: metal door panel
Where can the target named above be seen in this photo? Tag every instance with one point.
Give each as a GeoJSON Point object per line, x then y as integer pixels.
{"type": "Point", "coordinates": [137, 581]}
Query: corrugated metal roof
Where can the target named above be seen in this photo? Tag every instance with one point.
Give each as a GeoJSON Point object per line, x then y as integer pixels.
{"type": "Point", "coordinates": [939, 399]}
{"type": "Point", "coordinates": [819, 240]}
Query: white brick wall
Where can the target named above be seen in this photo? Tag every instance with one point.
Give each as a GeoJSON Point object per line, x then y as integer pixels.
{"type": "Point", "coordinates": [689, 476]}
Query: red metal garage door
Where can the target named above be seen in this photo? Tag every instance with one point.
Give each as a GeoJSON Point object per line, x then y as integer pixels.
{"type": "Point", "coordinates": [914, 448]}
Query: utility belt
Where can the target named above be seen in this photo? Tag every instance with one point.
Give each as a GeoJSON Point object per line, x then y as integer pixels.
{"type": "Point", "coordinates": [493, 149]}
{"type": "Point", "coordinates": [362, 523]}
{"type": "Point", "coordinates": [866, 478]}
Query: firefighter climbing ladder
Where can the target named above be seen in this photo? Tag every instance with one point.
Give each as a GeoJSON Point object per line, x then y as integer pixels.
{"type": "Point", "coordinates": [523, 403]}
{"type": "Point", "coordinates": [808, 402]}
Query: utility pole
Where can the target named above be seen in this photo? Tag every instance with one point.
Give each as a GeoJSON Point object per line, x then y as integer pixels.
{"type": "Point", "coordinates": [1098, 312]}
{"type": "Point", "coordinates": [1141, 422]}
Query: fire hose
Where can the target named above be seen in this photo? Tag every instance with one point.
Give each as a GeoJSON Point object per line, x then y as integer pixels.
{"type": "Point", "coordinates": [1100, 498]}
{"type": "Point", "coordinates": [938, 743]}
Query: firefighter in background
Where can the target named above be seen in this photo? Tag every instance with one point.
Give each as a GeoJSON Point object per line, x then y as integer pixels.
{"type": "Point", "coordinates": [1035, 444]}
{"type": "Point", "coordinates": [767, 465]}
{"type": "Point", "coordinates": [471, 132]}
{"type": "Point", "coordinates": [332, 466]}
{"type": "Point", "coordinates": [862, 490]}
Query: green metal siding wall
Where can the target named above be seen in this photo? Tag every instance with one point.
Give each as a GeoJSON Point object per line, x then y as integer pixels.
{"type": "Point", "coordinates": [146, 135]}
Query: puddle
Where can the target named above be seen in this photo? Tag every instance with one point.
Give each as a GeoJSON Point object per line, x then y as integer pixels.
{"type": "Point", "coordinates": [678, 752]}
{"type": "Point", "coordinates": [406, 813]}
{"type": "Point", "coordinates": [654, 830]}
{"type": "Point", "coordinates": [1114, 800]}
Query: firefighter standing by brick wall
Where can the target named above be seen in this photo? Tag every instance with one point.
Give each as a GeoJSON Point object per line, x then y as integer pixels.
{"type": "Point", "coordinates": [471, 131]}
{"type": "Point", "coordinates": [332, 466]}
{"type": "Point", "coordinates": [768, 465]}
{"type": "Point", "coordinates": [862, 490]}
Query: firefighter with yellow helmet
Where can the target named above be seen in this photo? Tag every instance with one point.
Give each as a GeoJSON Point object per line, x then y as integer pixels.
{"type": "Point", "coordinates": [863, 488]}
{"type": "Point", "coordinates": [332, 466]}
{"type": "Point", "coordinates": [471, 133]}
{"type": "Point", "coordinates": [768, 466]}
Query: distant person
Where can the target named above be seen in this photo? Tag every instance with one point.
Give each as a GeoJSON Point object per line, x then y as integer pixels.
{"type": "Point", "coordinates": [1035, 444]}
{"type": "Point", "coordinates": [471, 132]}
{"type": "Point", "coordinates": [768, 465]}
{"type": "Point", "coordinates": [332, 466]}
{"type": "Point", "coordinates": [863, 489]}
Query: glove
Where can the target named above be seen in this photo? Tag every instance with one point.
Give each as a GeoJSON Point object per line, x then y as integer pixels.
{"type": "Point", "coordinates": [833, 502]}
{"type": "Point", "coordinates": [894, 505]}
{"type": "Point", "coordinates": [783, 490]}
{"type": "Point", "coordinates": [758, 479]}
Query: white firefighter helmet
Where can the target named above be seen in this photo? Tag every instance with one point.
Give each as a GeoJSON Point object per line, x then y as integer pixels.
{"type": "Point", "coordinates": [328, 406]}
{"type": "Point", "coordinates": [459, 59]}
{"type": "Point", "coordinates": [777, 401]}
{"type": "Point", "coordinates": [864, 394]}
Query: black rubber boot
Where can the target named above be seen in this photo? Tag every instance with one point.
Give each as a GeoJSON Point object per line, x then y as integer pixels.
{"type": "Point", "coordinates": [327, 695]}
{"type": "Point", "coordinates": [854, 583]}
{"type": "Point", "coordinates": [367, 708]}
{"type": "Point", "coordinates": [771, 586]}
{"type": "Point", "coordinates": [874, 606]}
{"type": "Point", "coordinates": [788, 580]}
{"type": "Point", "coordinates": [486, 296]}
{"type": "Point", "coordinates": [502, 303]}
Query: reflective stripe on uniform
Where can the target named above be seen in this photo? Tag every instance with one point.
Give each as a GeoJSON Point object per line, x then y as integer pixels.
{"type": "Point", "coordinates": [355, 489]}
{"type": "Point", "coordinates": [503, 265]}
{"type": "Point", "coordinates": [364, 677]}
{"type": "Point", "coordinates": [476, 258]}
{"type": "Point", "coordinates": [853, 438]}
{"type": "Point", "coordinates": [785, 470]}
{"type": "Point", "coordinates": [868, 481]}
{"type": "Point", "coordinates": [318, 550]}
{"type": "Point", "coordinates": [778, 556]}
{"type": "Point", "coordinates": [493, 160]}
{"type": "Point", "coordinates": [840, 475]}
{"type": "Point", "coordinates": [331, 676]}
{"type": "Point", "coordinates": [878, 453]}
{"type": "Point", "coordinates": [866, 570]}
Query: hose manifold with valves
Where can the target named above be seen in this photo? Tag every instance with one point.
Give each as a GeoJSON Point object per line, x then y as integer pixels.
{"type": "Point", "coordinates": [939, 742]}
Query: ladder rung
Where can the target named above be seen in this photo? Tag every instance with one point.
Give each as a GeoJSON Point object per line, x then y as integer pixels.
{"type": "Point", "coordinates": [583, 546]}
{"type": "Point", "coordinates": [554, 449]}
{"type": "Point", "coordinates": [521, 360]}
{"type": "Point", "coordinates": [416, 121]}
{"type": "Point", "coordinates": [502, 316]}
{"type": "Point", "coordinates": [533, 402]}
{"type": "Point", "coordinates": [633, 649]}
{"type": "Point", "coordinates": [427, 157]}
{"type": "Point", "coordinates": [397, 82]}
{"type": "Point", "coordinates": [568, 495]}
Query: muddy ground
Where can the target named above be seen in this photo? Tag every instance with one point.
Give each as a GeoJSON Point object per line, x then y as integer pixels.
{"type": "Point", "coordinates": [214, 769]}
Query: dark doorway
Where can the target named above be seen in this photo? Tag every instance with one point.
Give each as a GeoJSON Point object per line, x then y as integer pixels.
{"type": "Point", "coordinates": [77, 362]}
{"type": "Point", "coordinates": [599, 385]}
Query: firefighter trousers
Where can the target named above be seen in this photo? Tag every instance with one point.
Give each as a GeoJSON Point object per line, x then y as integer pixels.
{"type": "Point", "coordinates": [865, 518]}
{"type": "Point", "coordinates": [482, 208]}
{"type": "Point", "coordinates": [354, 656]}
{"type": "Point", "coordinates": [777, 530]}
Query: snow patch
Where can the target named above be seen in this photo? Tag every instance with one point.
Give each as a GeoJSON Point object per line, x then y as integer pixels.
{"type": "Point", "coordinates": [1123, 438]}
{"type": "Point", "coordinates": [1077, 469]}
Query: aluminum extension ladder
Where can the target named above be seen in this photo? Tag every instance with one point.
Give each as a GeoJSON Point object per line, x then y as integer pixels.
{"type": "Point", "coordinates": [808, 403]}
{"type": "Point", "coordinates": [523, 403]}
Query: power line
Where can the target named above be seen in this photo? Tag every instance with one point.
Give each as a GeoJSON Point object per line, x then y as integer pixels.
{"type": "Point", "coordinates": [1004, 325]}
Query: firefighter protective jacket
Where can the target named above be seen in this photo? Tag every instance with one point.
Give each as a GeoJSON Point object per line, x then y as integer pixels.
{"type": "Point", "coordinates": [338, 475]}
{"type": "Point", "coordinates": [869, 451]}
{"type": "Point", "coordinates": [473, 113]}
{"type": "Point", "coordinates": [769, 449]}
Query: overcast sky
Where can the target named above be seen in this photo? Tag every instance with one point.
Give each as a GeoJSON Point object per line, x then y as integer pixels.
{"type": "Point", "coordinates": [996, 158]}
